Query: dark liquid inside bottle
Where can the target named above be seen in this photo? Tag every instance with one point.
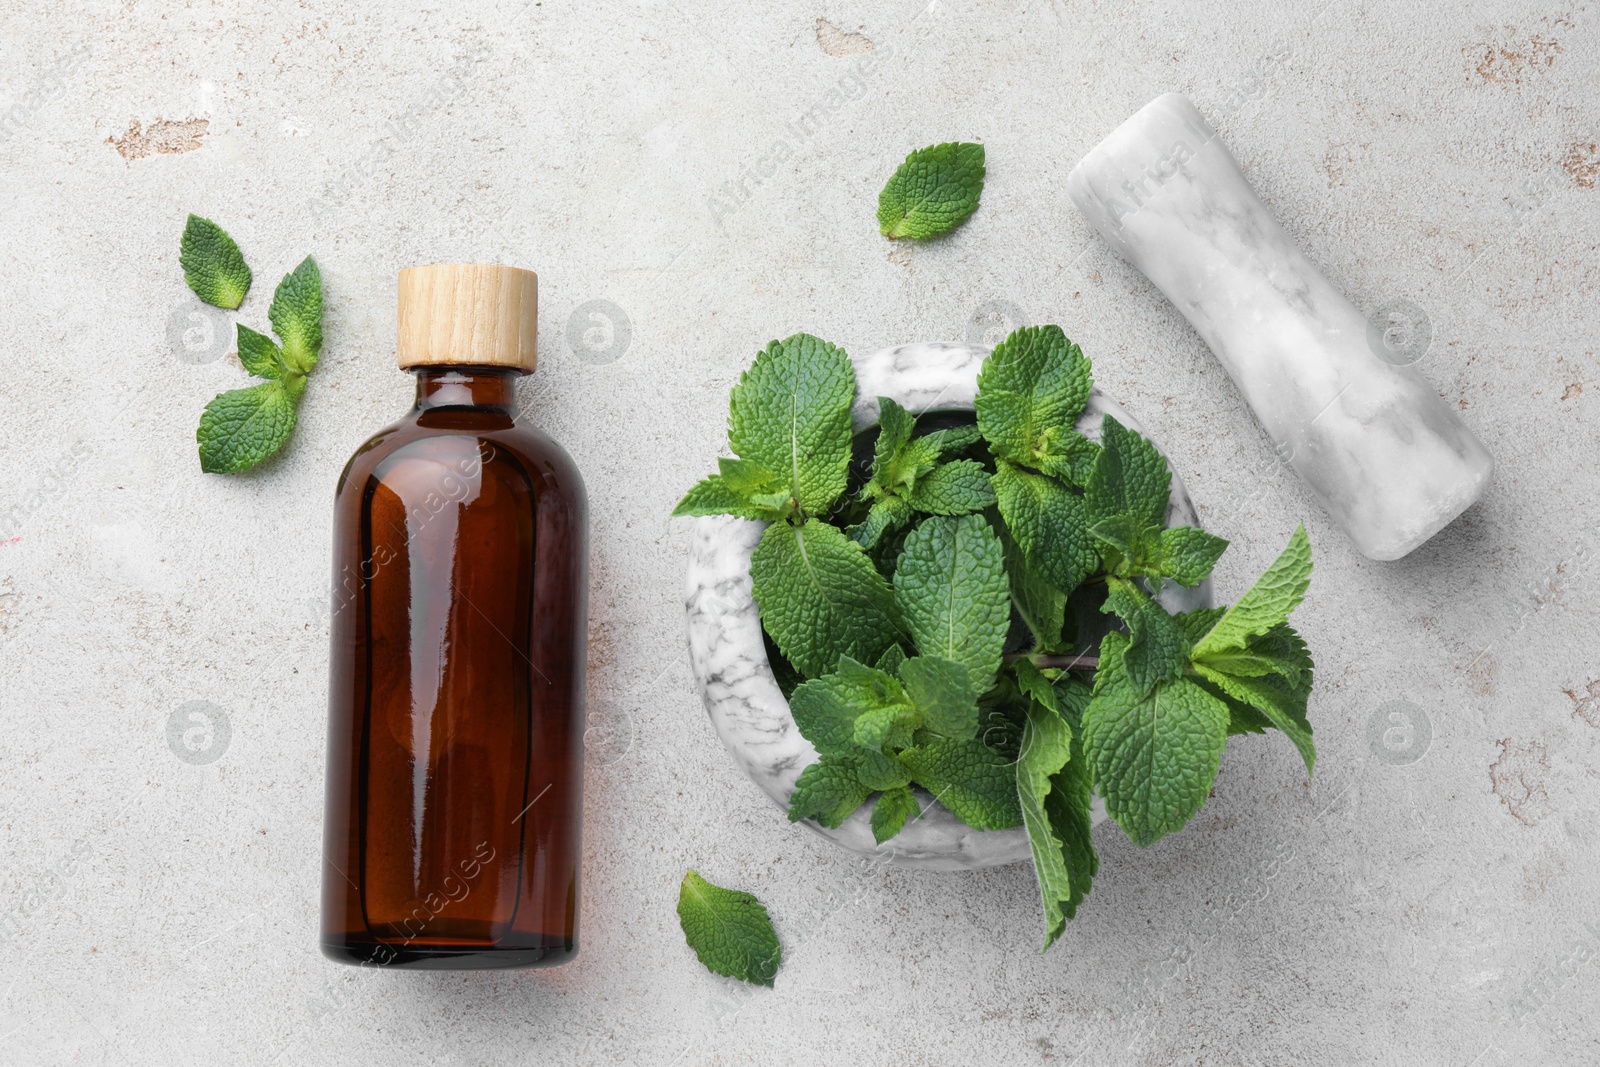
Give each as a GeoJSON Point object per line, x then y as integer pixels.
{"type": "Point", "coordinates": [456, 700]}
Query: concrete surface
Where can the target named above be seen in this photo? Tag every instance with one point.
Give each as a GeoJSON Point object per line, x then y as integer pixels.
{"type": "Point", "coordinates": [708, 174]}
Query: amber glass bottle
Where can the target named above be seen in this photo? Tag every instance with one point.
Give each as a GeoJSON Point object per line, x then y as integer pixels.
{"type": "Point", "coordinates": [455, 740]}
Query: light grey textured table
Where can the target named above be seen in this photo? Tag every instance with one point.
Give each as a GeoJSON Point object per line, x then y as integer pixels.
{"type": "Point", "coordinates": [707, 173]}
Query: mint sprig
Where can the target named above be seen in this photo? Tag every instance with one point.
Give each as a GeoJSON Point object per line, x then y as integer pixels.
{"type": "Point", "coordinates": [212, 264]}
{"type": "Point", "coordinates": [729, 930]}
{"type": "Point", "coordinates": [242, 428]}
{"type": "Point", "coordinates": [1125, 503]}
{"type": "Point", "coordinates": [932, 192]}
{"type": "Point", "coordinates": [908, 476]}
{"type": "Point", "coordinates": [943, 609]}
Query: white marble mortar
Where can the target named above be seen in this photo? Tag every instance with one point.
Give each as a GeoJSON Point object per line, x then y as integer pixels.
{"type": "Point", "coordinates": [730, 665]}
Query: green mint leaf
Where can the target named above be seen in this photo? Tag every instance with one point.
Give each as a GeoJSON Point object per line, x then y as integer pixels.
{"type": "Point", "coordinates": [882, 517]}
{"type": "Point", "coordinates": [1031, 391]}
{"type": "Point", "coordinates": [1266, 604]}
{"type": "Point", "coordinates": [895, 425]}
{"type": "Point", "coordinates": [1042, 606]}
{"type": "Point", "coordinates": [243, 427]}
{"type": "Point", "coordinates": [1123, 543]}
{"type": "Point", "coordinates": [820, 596]}
{"type": "Point", "coordinates": [259, 354]}
{"type": "Point", "coordinates": [729, 931]}
{"type": "Point", "coordinates": [932, 192]}
{"type": "Point", "coordinates": [1046, 749]}
{"type": "Point", "coordinates": [740, 488]}
{"type": "Point", "coordinates": [827, 792]}
{"type": "Point", "coordinates": [1157, 651]}
{"type": "Point", "coordinates": [974, 781]}
{"type": "Point", "coordinates": [296, 316]}
{"type": "Point", "coordinates": [747, 477]}
{"type": "Point", "coordinates": [1130, 478]}
{"type": "Point", "coordinates": [892, 658]}
{"type": "Point", "coordinates": [943, 692]}
{"type": "Point", "coordinates": [212, 264]}
{"type": "Point", "coordinates": [1266, 683]}
{"type": "Point", "coordinates": [1155, 752]}
{"type": "Point", "coordinates": [878, 771]}
{"type": "Point", "coordinates": [1068, 805]}
{"type": "Point", "coordinates": [950, 585]}
{"type": "Point", "coordinates": [790, 414]}
{"type": "Point", "coordinates": [959, 487]}
{"type": "Point", "coordinates": [825, 709]}
{"type": "Point", "coordinates": [1194, 624]}
{"type": "Point", "coordinates": [890, 813]}
{"type": "Point", "coordinates": [1032, 683]}
{"type": "Point", "coordinates": [952, 439]}
{"type": "Point", "coordinates": [887, 727]}
{"type": "Point", "coordinates": [1283, 707]}
{"type": "Point", "coordinates": [1047, 520]}
{"type": "Point", "coordinates": [1187, 554]}
{"type": "Point", "coordinates": [714, 496]}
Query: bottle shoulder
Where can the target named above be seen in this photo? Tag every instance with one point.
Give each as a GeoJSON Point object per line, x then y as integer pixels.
{"type": "Point", "coordinates": [497, 442]}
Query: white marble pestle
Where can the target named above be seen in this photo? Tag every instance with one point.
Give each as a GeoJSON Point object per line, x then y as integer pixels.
{"type": "Point", "coordinates": [1390, 461]}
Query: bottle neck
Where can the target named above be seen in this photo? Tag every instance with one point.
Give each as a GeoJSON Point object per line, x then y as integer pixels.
{"type": "Point", "coordinates": [467, 387]}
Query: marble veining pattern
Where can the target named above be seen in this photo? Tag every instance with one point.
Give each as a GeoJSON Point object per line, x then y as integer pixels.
{"type": "Point", "coordinates": [1388, 459]}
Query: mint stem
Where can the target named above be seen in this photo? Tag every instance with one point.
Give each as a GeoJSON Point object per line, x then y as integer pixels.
{"type": "Point", "coordinates": [1065, 663]}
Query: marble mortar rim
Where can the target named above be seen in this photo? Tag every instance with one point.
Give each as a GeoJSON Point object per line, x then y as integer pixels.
{"type": "Point", "coordinates": [747, 709]}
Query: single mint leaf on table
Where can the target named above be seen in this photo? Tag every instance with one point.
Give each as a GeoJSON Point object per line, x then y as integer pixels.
{"type": "Point", "coordinates": [959, 487]}
{"type": "Point", "coordinates": [212, 264]}
{"type": "Point", "coordinates": [933, 191]}
{"type": "Point", "coordinates": [790, 414]}
{"type": "Point", "coordinates": [729, 931]}
{"type": "Point", "coordinates": [1155, 752]}
{"type": "Point", "coordinates": [942, 690]}
{"type": "Point", "coordinates": [1047, 520]}
{"type": "Point", "coordinates": [820, 596]}
{"type": "Point", "coordinates": [1266, 604]}
{"type": "Point", "coordinates": [1031, 390]}
{"type": "Point", "coordinates": [977, 784]}
{"type": "Point", "coordinates": [296, 316]}
{"type": "Point", "coordinates": [243, 427]}
{"type": "Point", "coordinates": [893, 808]}
{"type": "Point", "coordinates": [827, 792]}
{"type": "Point", "coordinates": [951, 589]}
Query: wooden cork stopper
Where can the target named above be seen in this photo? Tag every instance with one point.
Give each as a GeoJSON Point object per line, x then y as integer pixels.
{"type": "Point", "coordinates": [469, 314]}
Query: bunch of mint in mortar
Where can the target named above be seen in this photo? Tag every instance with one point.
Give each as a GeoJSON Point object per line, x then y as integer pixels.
{"type": "Point", "coordinates": [937, 615]}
